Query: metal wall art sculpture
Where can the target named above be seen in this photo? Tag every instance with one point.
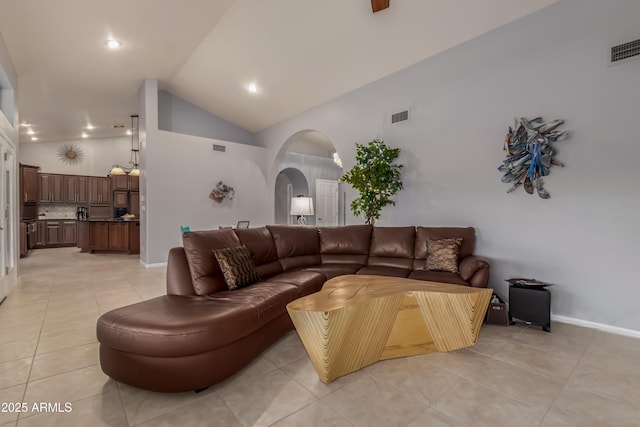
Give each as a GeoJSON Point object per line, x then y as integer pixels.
{"type": "Point", "coordinates": [530, 154]}
{"type": "Point", "coordinates": [221, 192]}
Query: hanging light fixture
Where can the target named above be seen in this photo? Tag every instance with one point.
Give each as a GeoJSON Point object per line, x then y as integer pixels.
{"type": "Point", "coordinates": [135, 151]}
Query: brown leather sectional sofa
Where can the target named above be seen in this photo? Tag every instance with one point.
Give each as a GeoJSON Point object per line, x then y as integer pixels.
{"type": "Point", "coordinates": [201, 333]}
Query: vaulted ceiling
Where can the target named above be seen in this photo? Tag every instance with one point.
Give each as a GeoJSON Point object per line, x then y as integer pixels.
{"type": "Point", "coordinates": [299, 53]}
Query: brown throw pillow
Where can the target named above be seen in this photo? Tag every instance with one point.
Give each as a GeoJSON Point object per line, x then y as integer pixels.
{"type": "Point", "coordinates": [237, 266]}
{"type": "Point", "coordinates": [442, 255]}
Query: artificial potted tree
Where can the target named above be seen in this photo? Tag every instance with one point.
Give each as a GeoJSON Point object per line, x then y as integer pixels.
{"type": "Point", "coordinates": [376, 177]}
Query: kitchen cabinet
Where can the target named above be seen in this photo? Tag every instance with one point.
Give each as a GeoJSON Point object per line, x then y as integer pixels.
{"type": "Point", "coordinates": [68, 233]}
{"type": "Point", "coordinates": [82, 190]}
{"type": "Point", "coordinates": [23, 238]}
{"type": "Point", "coordinates": [40, 240]}
{"type": "Point", "coordinates": [125, 182]}
{"type": "Point", "coordinates": [51, 188]}
{"type": "Point", "coordinates": [118, 236]}
{"type": "Point", "coordinates": [53, 233]}
{"type": "Point", "coordinates": [31, 232]}
{"type": "Point", "coordinates": [99, 190]}
{"type": "Point", "coordinates": [110, 236]}
{"type": "Point", "coordinates": [76, 189]}
{"type": "Point", "coordinates": [134, 203]}
{"type": "Point", "coordinates": [99, 236]}
{"type": "Point", "coordinates": [29, 184]}
{"type": "Point", "coordinates": [120, 199]}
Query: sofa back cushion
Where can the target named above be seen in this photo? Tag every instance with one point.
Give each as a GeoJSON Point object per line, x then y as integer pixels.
{"type": "Point", "coordinates": [262, 249]}
{"type": "Point", "coordinates": [467, 234]}
{"type": "Point", "coordinates": [205, 271]}
{"type": "Point", "coordinates": [348, 244]}
{"type": "Point", "coordinates": [392, 247]}
{"type": "Point", "coordinates": [297, 246]}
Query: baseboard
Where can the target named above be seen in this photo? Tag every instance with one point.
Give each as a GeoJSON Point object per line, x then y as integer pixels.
{"type": "Point", "coordinates": [158, 264]}
{"type": "Point", "coordinates": [594, 325]}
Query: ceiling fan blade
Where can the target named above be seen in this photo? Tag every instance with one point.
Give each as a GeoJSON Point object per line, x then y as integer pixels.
{"type": "Point", "coordinates": [378, 5]}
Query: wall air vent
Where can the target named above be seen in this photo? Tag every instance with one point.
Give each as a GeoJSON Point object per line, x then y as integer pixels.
{"type": "Point", "coordinates": [400, 117]}
{"type": "Point", "coordinates": [625, 51]}
{"type": "Point", "coordinates": [220, 148]}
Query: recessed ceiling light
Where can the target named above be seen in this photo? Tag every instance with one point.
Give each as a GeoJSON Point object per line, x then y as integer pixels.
{"type": "Point", "coordinates": [112, 43]}
{"type": "Point", "coordinates": [252, 87]}
{"type": "Point", "coordinates": [85, 135]}
{"type": "Point", "coordinates": [30, 132]}
{"type": "Point", "coordinates": [34, 138]}
{"type": "Point", "coordinates": [129, 132]}
{"type": "Point", "coordinates": [25, 124]}
{"type": "Point", "coordinates": [90, 127]}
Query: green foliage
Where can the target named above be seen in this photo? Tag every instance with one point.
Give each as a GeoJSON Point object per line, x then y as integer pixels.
{"type": "Point", "coordinates": [376, 178]}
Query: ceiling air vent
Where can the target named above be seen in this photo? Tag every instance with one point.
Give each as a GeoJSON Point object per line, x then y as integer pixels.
{"type": "Point", "coordinates": [220, 148]}
{"type": "Point", "coordinates": [625, 51]}
{"type": "Point", "coordinates": [400, 117]}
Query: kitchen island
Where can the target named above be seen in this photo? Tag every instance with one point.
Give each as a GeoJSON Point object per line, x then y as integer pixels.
{"type": "Point", "coordinates": [109, 235]}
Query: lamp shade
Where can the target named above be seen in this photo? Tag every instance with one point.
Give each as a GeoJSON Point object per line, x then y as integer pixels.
{"type": "Point", "coordinates": [135, 171]}
{"type": "Point", "coordinates": [117, 170]}
{"type": "Point", "coordinates": [301, 206]}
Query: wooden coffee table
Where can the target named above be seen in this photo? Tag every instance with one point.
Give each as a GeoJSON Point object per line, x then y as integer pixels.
{"type": "Point", "coordinates": [356, 320]}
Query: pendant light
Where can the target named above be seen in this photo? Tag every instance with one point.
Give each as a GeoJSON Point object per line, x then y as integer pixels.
{"type": "Point", "coordinates": [135, 150]}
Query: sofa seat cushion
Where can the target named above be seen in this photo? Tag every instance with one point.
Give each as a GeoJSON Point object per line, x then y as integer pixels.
{"type": "Point", "coordinates": [384, 271]}
{"type": "Point", "coordinates": [268, 299]}
{"type": "Point", "coordinates": [305, 280]}
{"type": "Point", "coordinates": [437, 276]}
{"type": "Point", "coordinates": [332, 270]}
{"type": "Point", "coordinates": [173, 326]}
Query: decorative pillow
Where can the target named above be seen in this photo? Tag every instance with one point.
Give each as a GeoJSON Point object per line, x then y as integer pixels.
{"type": "Point", "coordinates": [236, 266]}
{"type": "Point", "coordinates": [442, 255]}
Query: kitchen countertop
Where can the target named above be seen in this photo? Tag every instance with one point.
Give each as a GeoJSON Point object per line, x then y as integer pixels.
{"type": "Point", "coordinates": [109, 220]}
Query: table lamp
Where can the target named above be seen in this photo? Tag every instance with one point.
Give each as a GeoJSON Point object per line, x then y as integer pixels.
{"type": "Point", "coordinates": [301, 206]}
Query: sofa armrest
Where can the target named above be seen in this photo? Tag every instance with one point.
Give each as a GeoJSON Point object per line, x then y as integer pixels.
{"type": "Point", "coordinates": [475, 270]}
{"type": "Point", "coordinates": [179, 280]}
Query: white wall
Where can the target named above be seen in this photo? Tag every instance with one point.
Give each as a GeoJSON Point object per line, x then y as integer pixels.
{"type": "Point", "coordinates": [179, 171]}
{"type": "Point", "coordinates": [552, 63]}
{"type": "Point", "coordinates": [177, 115]}
{"type": "Point", "coordinates": [99, 155]}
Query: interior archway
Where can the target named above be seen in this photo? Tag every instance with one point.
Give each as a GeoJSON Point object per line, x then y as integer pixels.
{"type": "Point", "coordinates": [290, 182]}
{"type": "Point", "coordinates": [312, 155]}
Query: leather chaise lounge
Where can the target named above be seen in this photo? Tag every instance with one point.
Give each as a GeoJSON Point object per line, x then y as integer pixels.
{"type": "Point", "coordinates": [201, 332]}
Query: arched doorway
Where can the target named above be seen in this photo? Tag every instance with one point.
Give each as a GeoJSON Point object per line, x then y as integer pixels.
{"type": "Point", "coordinates": [290, 182]}
{"type": "Point", "coordinates": [311, 156]}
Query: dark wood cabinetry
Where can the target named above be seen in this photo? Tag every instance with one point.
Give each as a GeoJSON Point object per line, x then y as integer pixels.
{"type": "Point", "coordinates": [125, 182]}
{"type": "Point", "coordinates": [99, 190]}
{"type": "Point", "coordinates": [41, 235]}
{"type": "Point", "coordinates": [68, 233]}
{"type": "Point", "coordinates": [109, 236]}
{"type": "Point", "coordinates": [120, 199]}
{"type": "Point", "coordinates": [53, 233]}
{"type": "Point", "coordinates": [76, 189]}
{"type": "Point", "coordinates": [51, 188]}
{"type": "Point", "coordinates": [134, 203]}
{"type": "Point", "coordinates": [29, 184]}
{"type": "Point", "coordinates": [99, 236]}
{"type": "Point", "coordinates": [23, 238]}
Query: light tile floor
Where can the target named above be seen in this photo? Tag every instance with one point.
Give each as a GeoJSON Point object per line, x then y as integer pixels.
{"type": "Point", "coordinates": [514, 376]}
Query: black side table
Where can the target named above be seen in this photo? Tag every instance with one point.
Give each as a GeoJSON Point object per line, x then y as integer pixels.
{"type": "Point", "coordinates": [530, 303]}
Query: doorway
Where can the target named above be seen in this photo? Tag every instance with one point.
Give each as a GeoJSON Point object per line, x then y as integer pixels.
{"type": "Point", "coordinates": [326, 202]}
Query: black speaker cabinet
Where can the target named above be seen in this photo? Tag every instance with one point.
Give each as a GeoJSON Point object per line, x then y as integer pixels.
{"type": "Point", "coordinates": [530, 304]}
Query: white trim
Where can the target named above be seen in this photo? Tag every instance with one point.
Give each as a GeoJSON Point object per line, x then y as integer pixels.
{"type": "Point", "coordinates": [158, 264]}
{"type": "Point", "coordinates": [594, 325]}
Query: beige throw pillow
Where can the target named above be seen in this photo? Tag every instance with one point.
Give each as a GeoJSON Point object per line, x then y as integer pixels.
{"type": "Point", "coordinates": [442, 255]}
{"type": "Point", "coordinates": [237, 266]}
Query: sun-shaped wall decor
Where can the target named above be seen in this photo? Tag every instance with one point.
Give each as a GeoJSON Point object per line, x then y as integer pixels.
{"type": "Point", "coordinates": [70, 153]}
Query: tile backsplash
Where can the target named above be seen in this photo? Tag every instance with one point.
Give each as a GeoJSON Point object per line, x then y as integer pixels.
{"type": "Point", "coordinates": [55, 211]}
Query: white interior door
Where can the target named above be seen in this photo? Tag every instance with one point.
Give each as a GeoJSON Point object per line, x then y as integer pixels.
{"type": "Point", "coordinates": [326, 202]}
